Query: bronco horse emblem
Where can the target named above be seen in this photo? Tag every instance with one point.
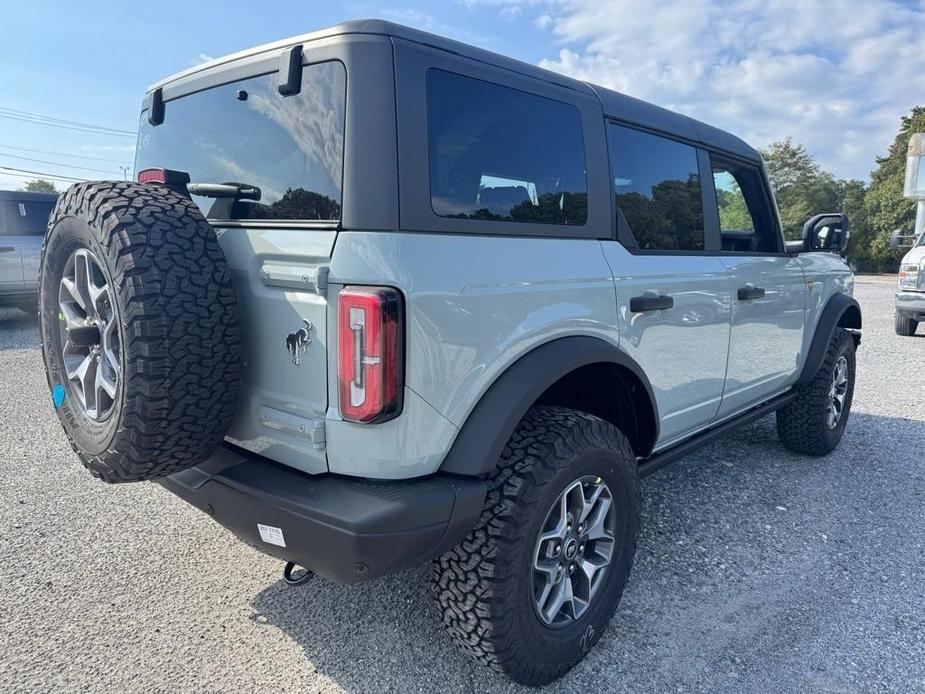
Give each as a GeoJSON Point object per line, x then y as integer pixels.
{"type": "Point", "coordinates": [298, 342]}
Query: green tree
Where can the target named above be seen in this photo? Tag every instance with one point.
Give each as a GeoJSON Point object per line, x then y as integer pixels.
{"type": "Point", "coordinates": [39, 185]}
{"type": "Point", "coordinates": [800, 186]}
{"type": "Point", "coordinates": [884, 205]}
{"type": "Point", "coordinates": [788, 164]}
{"type": "Point", "coordinates": [298, 203]}
{"type": "Point", "coordinates": [733, 210]}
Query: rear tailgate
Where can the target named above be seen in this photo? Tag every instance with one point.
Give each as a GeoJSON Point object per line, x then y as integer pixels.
{"type": "Point", "coordinates": [240, 134]}
{"type": "Point", "coordinates": [279, 279]}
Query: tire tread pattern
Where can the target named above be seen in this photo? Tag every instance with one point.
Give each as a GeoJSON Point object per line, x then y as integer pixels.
{"type": "Point", "coordinates": [471, 584]}
{"type": "Point", "coordinates": [906, 326]}
{"type": "Point", "coordinates": [180, 334]}
{"type": "Point", "coordinates": [801, 424]}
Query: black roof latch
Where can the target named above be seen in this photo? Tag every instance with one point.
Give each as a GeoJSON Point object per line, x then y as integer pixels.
{"type": "Point", "coordinates": [290, 71]}
{"type": "Point", "coordinates": [155, 107]}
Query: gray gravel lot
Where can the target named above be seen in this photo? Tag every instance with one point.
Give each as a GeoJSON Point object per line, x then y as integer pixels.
{"type": "Point", "coordinates": [758, 570]}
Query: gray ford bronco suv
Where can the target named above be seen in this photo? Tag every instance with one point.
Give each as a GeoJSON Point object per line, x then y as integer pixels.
{"type": "Point", "coordinates": [380, 298]}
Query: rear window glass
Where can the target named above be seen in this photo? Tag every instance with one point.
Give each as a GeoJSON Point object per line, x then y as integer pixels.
{"type": "Point", "coordinates": [27, 217]}
{"type": "Point", "coordinates": [501, 154]}
{"type": "Point", "coordinates": [291, 148]}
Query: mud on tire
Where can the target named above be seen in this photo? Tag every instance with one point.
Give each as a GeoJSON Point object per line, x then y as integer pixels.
{"type": "Point", "coordinates": [482, 587]}
{"type": "Point", "coordinates": [176, 328]}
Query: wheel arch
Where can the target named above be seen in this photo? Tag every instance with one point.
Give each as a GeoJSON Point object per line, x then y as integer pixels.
{"type": "Point", "coordinates": [841, 311]}
{"type": "Point", "coordinates": [583, 373]}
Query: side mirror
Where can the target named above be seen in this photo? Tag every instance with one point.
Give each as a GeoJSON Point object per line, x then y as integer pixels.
{"type": "Point", "coordinates": [826, 232]}
{"type": "Point", "coordinates": [900, 240]}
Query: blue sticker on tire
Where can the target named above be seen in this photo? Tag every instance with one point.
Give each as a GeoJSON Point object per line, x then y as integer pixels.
{"type": "Point", "coordinates": [57, 395]}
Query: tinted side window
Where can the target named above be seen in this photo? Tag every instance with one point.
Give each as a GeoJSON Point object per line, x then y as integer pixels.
{"type": "Point", "coordinates": [31, 215]}
{"type": "Point", "coordinates": [291, 147]}
{"type": "Point", "coordinates": [745, 218]}
{"type": "Point", "coordinates": [501, 154]}
{"type": "Point", "coordinates": [28, 217]}
{"type": "Point", "coordinates": [657, 186]}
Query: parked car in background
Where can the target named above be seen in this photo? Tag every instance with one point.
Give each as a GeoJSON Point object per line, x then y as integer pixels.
{"type": "Point", "coordinates": [910, 291]}
{"type": "Point", "coordinates": [23, 218]}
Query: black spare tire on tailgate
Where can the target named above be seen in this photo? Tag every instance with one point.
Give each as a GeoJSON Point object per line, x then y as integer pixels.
{"type": "Point", "coordinates": [139, 329]}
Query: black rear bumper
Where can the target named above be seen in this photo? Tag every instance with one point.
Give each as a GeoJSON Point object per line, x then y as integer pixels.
{"type": "Point", "coordinates": [346, 529]}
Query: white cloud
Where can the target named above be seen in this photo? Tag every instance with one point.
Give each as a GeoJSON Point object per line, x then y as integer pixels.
{"type": "Point", "coordinates": [836, 75]}
{"type": "Point", "coordinates": [315, 125]}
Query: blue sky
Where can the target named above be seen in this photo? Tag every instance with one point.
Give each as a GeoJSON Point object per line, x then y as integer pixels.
{"type": "Point", "coordinates": [834, 75]}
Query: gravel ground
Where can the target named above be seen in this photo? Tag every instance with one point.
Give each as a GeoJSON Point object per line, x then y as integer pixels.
{"type": "Point", "coordinates": [758, 570]}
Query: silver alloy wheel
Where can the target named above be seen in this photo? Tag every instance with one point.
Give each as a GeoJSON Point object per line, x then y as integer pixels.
{"type": "Point", "coordinates": [837, 392]}
{"type": "Point", "coordinates": [89, 335]}
{"type": "Point", "coordinates": [573, 551]}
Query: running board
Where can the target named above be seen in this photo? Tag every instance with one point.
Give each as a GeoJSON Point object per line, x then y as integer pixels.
{"type": "Point", "coordinates": [666, 457]}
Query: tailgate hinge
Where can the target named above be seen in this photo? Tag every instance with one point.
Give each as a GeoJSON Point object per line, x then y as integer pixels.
{"type": "Point", "coordinates": [291, 276]}
{"type": "Point", "coordinates": [311, 429]}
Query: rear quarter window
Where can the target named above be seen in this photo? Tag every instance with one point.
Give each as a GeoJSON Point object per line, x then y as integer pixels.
{"type": "Point", "coordinates": [501, 154]}
{"type": "Point", "coordinates": [291, 147]}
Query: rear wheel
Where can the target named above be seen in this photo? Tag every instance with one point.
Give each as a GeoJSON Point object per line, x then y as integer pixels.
{"type": "Point", "coordinates": [139, 330]}
{"type": "Point", "coordinates": [532, 588]}
{"type": "Point", "coordinates": [815, 421]}
{"type": "Point", "coordinates": [905, 326]}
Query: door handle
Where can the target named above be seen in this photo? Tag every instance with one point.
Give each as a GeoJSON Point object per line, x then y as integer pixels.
{"type": "Point", "coordinates": [7, 249]}
{"type": "Point", "coordinates": [654, 302]}
{"type": "Point", "coordinates": [749, 293]}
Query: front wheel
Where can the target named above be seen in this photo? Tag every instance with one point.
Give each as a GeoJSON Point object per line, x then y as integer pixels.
{"type": "Point", "coordinates": [814, 422]}
{"type": "Point", "coordinates": [533, 586]}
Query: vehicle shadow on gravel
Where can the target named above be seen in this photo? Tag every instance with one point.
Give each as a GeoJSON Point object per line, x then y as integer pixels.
{"type": "Point", "coordinates": [19, 330]}
{"type": "Point", "coordinates": [736, 540]}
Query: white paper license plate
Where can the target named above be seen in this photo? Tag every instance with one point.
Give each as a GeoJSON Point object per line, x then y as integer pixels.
{"type": "Point", "coordinates": [271, 535]}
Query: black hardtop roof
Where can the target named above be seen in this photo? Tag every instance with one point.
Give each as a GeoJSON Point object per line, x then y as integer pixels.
{"type": "Point", "coordinates": [25, 196]}
{"type": "Point", "coordinates": [615, 105]}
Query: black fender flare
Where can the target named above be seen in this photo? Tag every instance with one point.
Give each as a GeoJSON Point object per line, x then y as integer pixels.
{"type": "Point", "coordinates": [840, 310]}
{"type": "Point", "coordinates": [489, 426]}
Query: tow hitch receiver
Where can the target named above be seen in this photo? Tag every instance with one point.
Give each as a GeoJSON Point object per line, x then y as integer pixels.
{"type": "Point", "coordinates": [296, 578]}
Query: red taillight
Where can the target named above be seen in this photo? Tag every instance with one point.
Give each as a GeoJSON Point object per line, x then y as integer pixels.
{"type": "Point", "coordinates": [152, 176]}
{"type": "Point", "coordinates": [369, 335]}
{"type": "Point", "coordinates": [167, 177]}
